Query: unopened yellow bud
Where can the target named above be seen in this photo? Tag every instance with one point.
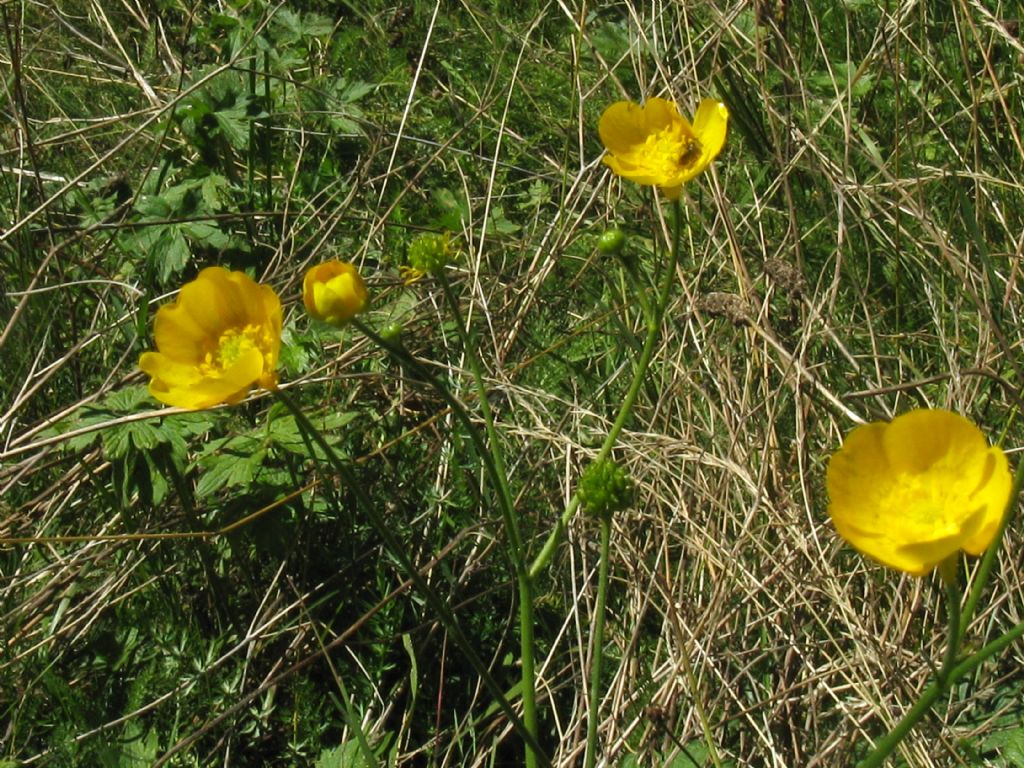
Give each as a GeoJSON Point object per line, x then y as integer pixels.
{"type": "Point", "coordinates": [334, 292]}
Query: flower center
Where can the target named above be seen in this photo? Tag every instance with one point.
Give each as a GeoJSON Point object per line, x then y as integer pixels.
{"type": "Point", "coordinates": [231, 345]}
{"type": "Point", "coordinates": [671, 149]}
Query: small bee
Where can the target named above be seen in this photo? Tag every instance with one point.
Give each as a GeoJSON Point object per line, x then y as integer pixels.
{"type": "Point", "coordinates": [691, 153]}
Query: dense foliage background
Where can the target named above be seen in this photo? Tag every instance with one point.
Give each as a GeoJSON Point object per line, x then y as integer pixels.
{"type": "Point", "coordinates": [199, 589]}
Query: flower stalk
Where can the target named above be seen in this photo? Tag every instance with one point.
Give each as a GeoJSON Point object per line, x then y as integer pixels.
{"type": "Point", "coordinates": [511, 521]}
{"type": "Point", "coordinates": [653, 328]}
{"type": "Point", "coordinates": [653, 319]}
{"type": "Point", "coordinates": [597, 651]}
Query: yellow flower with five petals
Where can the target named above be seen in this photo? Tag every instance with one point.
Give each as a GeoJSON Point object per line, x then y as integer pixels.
{"type": "Point", "coordinates": [654, 144]}
{"type": "Point", "coordinates": [219, 339]}
{"type": "Point", "coordinates": [913, 492]}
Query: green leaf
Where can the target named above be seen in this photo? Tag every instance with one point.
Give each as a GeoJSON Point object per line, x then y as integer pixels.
{"type": "Point", "coordinates": [164, 246]}
{"type": "Point", "coordinates": [120, 438]}
{"type": "Point", "coordinates": [158, 485]}
{"type": "Point", "coordinates": [346, 756]}
{"type": "Point", "coordinates": [453, 210]}
{"type": "Point", "coordinates": [126, 400]}
{"type": "Point", "coordinates": [177, 197]}
{"type": "Point", "coordinates": [286, 434]}
{"type": "Point", "coordinates": [152, 206]}
{"type": "Point", "coordinates": [695, 756]}
{"type": "Point", "coordinates": [1010, 746]}
{"type": "Point", "coordinates": [350, 92]}
{"type": "Point", "coordinates": [612, 40]}
{"type": "Point", "coordinates": [214, 190]}
{"type": "Point", "coordinates": [343, 124]}
{"type": "Point", "coordinates": [233, 467]}
{"type": "Point", "coordinates": [138, 748]}
{"type": "Point", "coordinates": [233, 122]}
{"type": "Point", "coordinates": [294, 357]}
{"type": "Point", "coordinates": [500, 224]}
{"type": "Point", "coordinates": [290, 27]}
{"type": "Point", "coordinates": [207, 234]}
{"type": "Point", "coordinates": [316, 25]}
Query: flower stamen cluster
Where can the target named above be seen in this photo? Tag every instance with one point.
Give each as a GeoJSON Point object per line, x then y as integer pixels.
{"type": "Point", "coordinates": [428, 254]}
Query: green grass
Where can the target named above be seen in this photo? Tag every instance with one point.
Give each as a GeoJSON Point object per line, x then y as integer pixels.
{"type": "Point", "coordinates": [200, 589]}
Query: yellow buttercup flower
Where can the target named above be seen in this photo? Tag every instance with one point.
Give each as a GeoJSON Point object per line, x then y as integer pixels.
{"type": "Point", "coordinates": [219, 338]}
{"type": "Point", "coordinates": [912, 492]}
{"type": "Point", "coordinates": [654, 144]}
{"type": "Point", "coordinates": [334, 292]}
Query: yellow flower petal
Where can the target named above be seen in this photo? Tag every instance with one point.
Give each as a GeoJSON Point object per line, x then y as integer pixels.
{"type": "Point", "coordinates": [661, 113]}
{"type": "Point", "coordinates": [622, 127]}
{"type": "Point", "coordinates": [212, 301]}
{"type": "Point", "coordinates": [185, 389]}
{"type": "Point", "coordinates": [992, 494]}
{"type": "Point", "coordinates": [912, 492]}
{"type": "Point", "coordinates": [179, 336]}
{"type": "Point", "coordinates": [711, 125]}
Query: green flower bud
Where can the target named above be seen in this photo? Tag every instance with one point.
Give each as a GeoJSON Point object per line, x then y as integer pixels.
{"type": "Point", "coordinates": [392, 332]}
{"type": "Point", "coordinates": [605, 488]}
{"type": "Point", "coordinates": [611, 241]}
{"type": "Point", "coordinates": [429, 254]}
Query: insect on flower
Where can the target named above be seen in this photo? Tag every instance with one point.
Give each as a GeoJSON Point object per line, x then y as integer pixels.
{"type": "Point", "coordinates": [691, 153]}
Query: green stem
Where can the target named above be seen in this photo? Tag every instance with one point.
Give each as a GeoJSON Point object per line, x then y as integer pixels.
{"type": "Point", "coordinates": [544, 557]}
{"type": "Point", "coordinates": [529, 672]}
{"type": "Point", "coordinates": [436, 604]}
{"type": "Point", "coordinates": [409, 362]}
{"type": "Point", "coordinates": [971, 662]}
{"type": "Point", "coordinates": [945, 677]}
{"type": "Point", "coordinates": [518, 556]}
{"type": "Point", "coordinates": [598, 647]}
{"type": "Point", "coordinates": [984, 571]}
{"type": "Point", "coordinates": [886, 746]}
